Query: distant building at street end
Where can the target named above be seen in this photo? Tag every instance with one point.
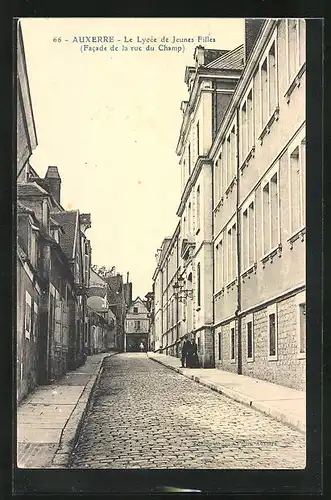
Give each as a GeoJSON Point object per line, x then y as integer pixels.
{"type": "Point", "coordinates": [137, 326]}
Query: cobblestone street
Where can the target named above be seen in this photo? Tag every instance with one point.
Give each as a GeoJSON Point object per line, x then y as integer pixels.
{"type": "Point", "coordinates": [147, 416]}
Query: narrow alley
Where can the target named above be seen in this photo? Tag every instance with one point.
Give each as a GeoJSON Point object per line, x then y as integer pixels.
{"type": "Point", "coordinates": [147, 416]}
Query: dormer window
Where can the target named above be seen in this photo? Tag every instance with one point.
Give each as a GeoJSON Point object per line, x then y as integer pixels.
{"type": "Point", "coordinates": [56, 236]}
{"type": "Point", "coordinates": [135, 310]}
{"type": "Point", "coordinates": [45, 215]}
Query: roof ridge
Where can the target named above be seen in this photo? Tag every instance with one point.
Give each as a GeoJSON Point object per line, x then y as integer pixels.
{"type": "Point", "coordinates": [224, 56]}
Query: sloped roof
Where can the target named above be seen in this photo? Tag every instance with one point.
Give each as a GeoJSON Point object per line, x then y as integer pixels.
{"type": "Point", "coordinates": [22, 209]}
{"type": "Point", "coordinates": [233, 59]}
{"type": "Point", "coordinates": [68, 220]}
{"type": "Point", "coordinates": [95, 278]}
{"type": "Point", "coordinates": [31, 189]}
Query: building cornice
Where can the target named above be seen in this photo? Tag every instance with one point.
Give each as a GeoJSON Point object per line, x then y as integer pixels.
{"type": "Point", "coordinates": [201, 73]}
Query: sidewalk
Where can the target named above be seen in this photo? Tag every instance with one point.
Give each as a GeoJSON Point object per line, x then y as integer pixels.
{"type": "Point", "coordinates": [48, 420]}
{"type": "Point", "coordinates": [282, 403]}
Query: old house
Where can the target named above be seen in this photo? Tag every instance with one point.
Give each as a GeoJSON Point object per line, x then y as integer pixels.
{"type": "Point", "coordinates": [101, 319]}
{"type": "Point", "coordinates": [117, 294]}
{"type": "Point", "coordinates": [137, 322]}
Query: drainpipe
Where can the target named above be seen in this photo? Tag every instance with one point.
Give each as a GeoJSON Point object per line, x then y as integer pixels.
{"type": "Point", "coordinates": [214, 110]}
{"type": "Point", "coordinates": [238, 308]}
{"type": "Point", "coordinates": [213, 264]}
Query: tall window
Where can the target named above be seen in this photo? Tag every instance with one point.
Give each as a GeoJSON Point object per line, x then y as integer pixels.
{"type": "Point", "coordinates": [189, 159]}
{"type": "Point", "coordinates": [28, 314]}
{"type": "Point", "coordinates": [301, 323]}
{"type": "Point", "coordinates": [33, 249]}
{"type": "Point", "coordinates": [270, 212]}
{"type": "Point", "coordinates": [264, 92]}
{"type": "Point", "coordinates": [198, 139]}
{"type": "Point", "coordinates": [297, 181]}
{"type": "Point", "coordinates": [272, 332]}
{"type": "Point", "coordinates": [296, 46]}
{"type": "Point", "coordinates": [218, 178]}
{"type": "Point", "coordinates": [198, 209]}
{"type": "Point", "coordinates": [232, 343]}
{"type": "Point", "coordinates": [233, 152]}
{"type": "Point", "coordinates": [35, 316]}
{"type": "Point", "coordinates": [137, 325]}
{"type": "Point", "coordinates": [220, 345]}
{"type": "Point", "coordinates": [302, 328]}
{"type": "Point", "coordinates": [216, 181]}
{"type": "Point", "coordinates": [219, 279]}
{"type": "Point", "coordinates": [189, 218]}
{"type": "Point", "coordinates": [268, 85]}
{"type": "Point", "coordinates": [249, 331]}
{"type": "Point", "coordinates": [274, 225]}
{"type": "Point", "coordinates": [248, 236]}
{"type": "Point", "coordinates": [231, 253]}
{"type": "Point", "coordinates": [198, 285]}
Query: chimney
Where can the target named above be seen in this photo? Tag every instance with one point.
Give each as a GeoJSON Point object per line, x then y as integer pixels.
{"type": "Point", "coordinates": [252, 30]}
{"type": "Point", "coordinates": [54, 182]}
{"type": "Point", "coordinates": [199, 55]}
{"type": "Point", "coordinates": [127, 277]}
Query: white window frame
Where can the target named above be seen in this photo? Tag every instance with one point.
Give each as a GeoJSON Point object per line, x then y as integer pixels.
{"type": "Point", "coordinates": [297, 143]}
{"type": "Point", "coordinates": [231, 273]}
{"type": "Point", "coordinates": [251, 199]}
{"type": "Point", "coordinates": [220, 345]}
{"type": "Point", "coordinates": [265, 56]}
{"type": "Point", "coordinates": [198, 135]}
{"type": "Point", "coordinates": [299, 300]}
{"type": "Point", "coordinates": [233, 325]}
{"type": "Point", "coordinates": [219, 261]}
{"type": "Point", "coordinates": [266, 180]}
{"type": "Point", "coordinates": [244, 154]}
{"type": "Point", "coordinates": [250, 319]}
{"type": "Point", "coordinates": [35, 314]}
{"type": "Point", "coordinates": [300, 60]}
{"type": "Point", "coordinates": [230, 155]}
{"type": "Point", "coordinates": [198, 209]}
{"type": "Point", "coordinates": [28, 301]}
{"type": "Point", "coordinates": [272, 310]}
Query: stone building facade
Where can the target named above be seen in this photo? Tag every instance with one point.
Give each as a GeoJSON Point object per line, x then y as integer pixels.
{"type": "Point", "coordinates": [242, 208]}
{"type": "Point", "coordinates": [53, 262]}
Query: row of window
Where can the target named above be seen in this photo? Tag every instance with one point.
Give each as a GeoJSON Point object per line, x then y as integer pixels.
{"type": "Point", "coordinates": [226, 248]}
{"type": "Point", "coordinates": [272, 334]}
{"type": "Point", "coordinates": [260, 99]}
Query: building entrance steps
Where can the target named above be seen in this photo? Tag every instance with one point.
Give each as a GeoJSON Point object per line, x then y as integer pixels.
{"type": "Point", "coordinates": [48, 420]}
{"type": "Point", "coordinates": [282, 403]}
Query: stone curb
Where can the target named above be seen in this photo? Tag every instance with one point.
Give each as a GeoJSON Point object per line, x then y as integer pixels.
{"type": "Point", "coordinates": [288, 419]}
{"type": "Point", "coordinates": [71, 430]}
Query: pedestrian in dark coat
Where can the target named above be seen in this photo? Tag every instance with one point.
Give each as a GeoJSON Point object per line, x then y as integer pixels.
{"type": "Point", "coordinates": [192, 359]}
{"type": "Point", "coordinates": [185, 348]}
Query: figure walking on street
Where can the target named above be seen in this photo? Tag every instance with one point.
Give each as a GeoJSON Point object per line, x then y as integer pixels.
{"type": "Point", "coordinates": [142, 347]}
{"type": "Point", "coordinates": [185, 349]}
{"type": "Point", "coordinates": [192, 358]}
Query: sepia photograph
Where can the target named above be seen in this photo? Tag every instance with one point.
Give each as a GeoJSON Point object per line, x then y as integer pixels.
{"type": "Point", "coordinates": [161, 243]}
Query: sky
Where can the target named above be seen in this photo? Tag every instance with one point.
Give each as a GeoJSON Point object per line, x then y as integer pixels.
{"type": "Point", "coordinates": [110, 121]}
